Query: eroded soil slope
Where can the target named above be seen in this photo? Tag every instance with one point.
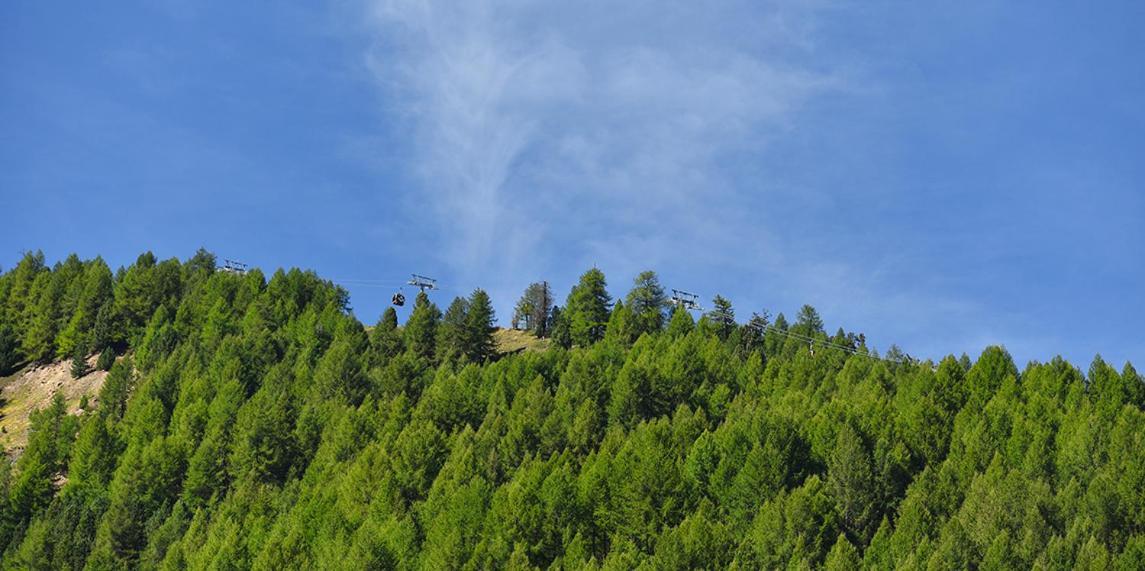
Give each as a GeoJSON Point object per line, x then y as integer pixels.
{"type": "Point", "coordinates": [33, 388]}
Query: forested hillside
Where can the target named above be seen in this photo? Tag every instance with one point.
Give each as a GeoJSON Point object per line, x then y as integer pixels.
{"type": "Point", "coordinates": [253, 422]}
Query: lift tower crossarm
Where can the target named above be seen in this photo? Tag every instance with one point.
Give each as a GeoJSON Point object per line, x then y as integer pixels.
{"type": "Point", "coordinates": [233, 267]}
{"type": "Point", "coordinates": [688, 301]}
{"type": "Point", "coordinates": [422, 282]}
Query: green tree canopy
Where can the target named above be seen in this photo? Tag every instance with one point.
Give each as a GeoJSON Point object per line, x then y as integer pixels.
{"type": "Point", "coordinates": [587, 308]}
{"type": "Point", "coordinates": [722, 317]}
{"type": "Point", "coordinates": [421, 327]}
{"type": "Point", "coordinates": [534, 309]}
{"type": "Point", "coordinates": [254, 423]}
{"type": "Point", "coordinates": [479, 327]}
{"type": "Point", "coordinates": [647, 302]}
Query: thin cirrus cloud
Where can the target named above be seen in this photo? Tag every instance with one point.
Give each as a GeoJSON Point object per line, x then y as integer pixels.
{"type": "Point", "coordinates": [549, 139]}
{"type": "Point", "coordinates": [596, 136]}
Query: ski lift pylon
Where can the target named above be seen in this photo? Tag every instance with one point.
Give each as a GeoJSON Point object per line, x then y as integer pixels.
{"type": "Point", "coordinates": [422, 282]}
{"type": "Point", "coordinates": [686, 300]}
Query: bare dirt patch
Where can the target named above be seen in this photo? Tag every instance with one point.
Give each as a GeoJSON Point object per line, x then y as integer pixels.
{"type": "Point", "coordinates": [33, 388]}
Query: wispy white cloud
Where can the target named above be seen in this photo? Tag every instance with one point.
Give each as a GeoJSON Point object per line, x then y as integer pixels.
{"type": "Point", "coordinates": [598, 134]}
{"type": "Point", "coordinates": [550, 139]}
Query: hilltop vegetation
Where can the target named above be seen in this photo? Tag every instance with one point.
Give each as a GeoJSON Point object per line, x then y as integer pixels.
{"type": "Point", "coordinates": [254, 423]}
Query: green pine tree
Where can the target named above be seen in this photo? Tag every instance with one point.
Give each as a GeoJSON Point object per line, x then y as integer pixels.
{"type": "Point", "coordinates": [561, 334]}
{"type": "Point", "coordinates": [722, 317]}
{"type": "Point", "coordinates": [852, 477]}
{"type": "Point", "coordinates": [386, 339]}
{"type": "Point", "coordinates": [843, 556]}
{"type": "Point", "coordinates": [479, 327]}
{"type": "Point", "coordinates": [808, 321]}
{"type": "Point", "coordinates": [9, 348]}
{"type": "Point", "coordinates": [587, 309]}
{"type": "Point", "coordinates": [452, 332]}
{"type": "Point", "coordinates": [79, 366]}
{"type": "Point", "coordinates": [96, 293]}
{"type": "Point", "coordinates": [43, 318]}
{"type": "Point", "coordinates": [623, 325]}
{"type": "Point", "coordinates": [681, 323]}
{"type": "Point", "coordinates": [648, 303]}
{"type": "Point", "coordinates": [420, 331]}
{"type": "Point", "coordinates": [534, 310]}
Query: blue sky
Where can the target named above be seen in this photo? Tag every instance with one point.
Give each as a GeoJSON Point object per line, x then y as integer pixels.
{"type": "Point", "coordinates": [941, 176]}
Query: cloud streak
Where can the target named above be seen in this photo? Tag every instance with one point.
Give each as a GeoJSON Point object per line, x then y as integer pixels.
{"type": "Point", "coordinates": [534, 128]}
{"type": "Point", "coordinates": [546, 140]}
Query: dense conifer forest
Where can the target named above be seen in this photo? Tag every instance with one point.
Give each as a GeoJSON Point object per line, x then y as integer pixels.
{"type": "Point", "coordinates": [252, 422]}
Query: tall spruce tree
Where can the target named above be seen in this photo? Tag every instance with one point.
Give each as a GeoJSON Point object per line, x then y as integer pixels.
{"type": "Point", "coordinates": [479, 327]}
{"type": "Point", "coordinates": [681, 323]}
{"type": "Point", "coordinates": [421, 327]}
{"type": "Point", "coordinates": [754, 333]}
{"type": "Point", "coordinates": [385, 339]}
{"type": "Point", "coordinates": [623, 326]}
{"type": "Point", "coordinates": [808, 321]}
{"type": "Point", "coordinates": [203, 262]}
{"type": "Point", "coordinates": [561, 335]}
{"type": "Point", "coordinates": [452, 333]}
{"type": "Point", "coordinates": [647, 303]}
{"type": "Point", "coordinates": [588, 308]}
{"type": "Point", "coordinates": [96, 294]}
{"type": "Point", "coordinates": [9, 348]}
{"type": "Point", "coordinates": [43, 321]}
{"type": "Point", "coordinates": [135, 292]}
{"type": "Point", "coordinates": [103, 329]}
{"type": "Point", "coordinates": [106, 359]}
{"type": "Point", "coordinates": [20, 293]}
{"type": "Point", "coordinates": [852, 478]}
{"type": "Point", "coordinates": [722, 317]}
{"type": "Point", "coordinates": [79, 366]}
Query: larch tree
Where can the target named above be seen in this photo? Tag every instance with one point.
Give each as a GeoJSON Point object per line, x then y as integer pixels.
{"type": "Point", "coordinates": [385, 338]}
{"type": "Point", "coordinates": [722, 317]}
{"type": "Point", "coordinates": [534, 309]}
{"type": "Point", "coordinates": [681, 323]}
{"type": "Point", "coordinates": [588, 308]}
{"type": "Point", "coordinates": [43, 324]}
{"type": "Point", "coordinates": [479, 327]}
{"type": "Point", "coordinates": [647, 303]}
{"type": "Point", "coordinates": [808, 321]}
{"type": "Point", "coordinates": [559, 329]}
{"type": "Point", "coordinates": [421, 328]}
{"type": "Point", "coordinates": [9, 348]}
{"type": "Point", "coordinates": [79, 366]}
{"type": "Point", "coordinates": [452, 333]}
{"type": "Point", "coordinates": [95, 295]}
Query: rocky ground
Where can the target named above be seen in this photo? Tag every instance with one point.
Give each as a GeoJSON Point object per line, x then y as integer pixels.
{"type": "Point", "coordinates": [33, 388]}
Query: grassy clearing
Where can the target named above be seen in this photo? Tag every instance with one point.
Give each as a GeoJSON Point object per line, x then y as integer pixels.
{"type": "Point", "coordinates": [513, 340]}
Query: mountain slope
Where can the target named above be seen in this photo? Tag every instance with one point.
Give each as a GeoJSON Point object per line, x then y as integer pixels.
{"type": "Point", "coordinates": [257, 424]}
